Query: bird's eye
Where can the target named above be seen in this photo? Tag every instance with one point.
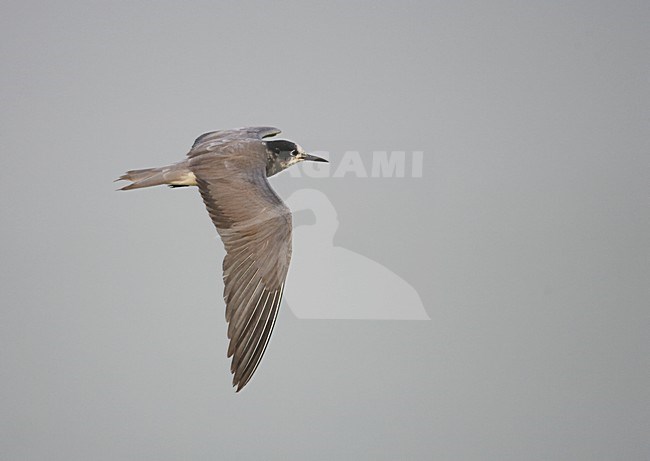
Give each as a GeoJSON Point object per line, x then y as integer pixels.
{"type": "Point", "coordinates": [294, 153]}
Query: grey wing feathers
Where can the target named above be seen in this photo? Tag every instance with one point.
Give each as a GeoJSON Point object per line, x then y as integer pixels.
{"type": "Point", "coordinates": [209, 142]}
{"type": "Point", "coordinates": [255, 227]}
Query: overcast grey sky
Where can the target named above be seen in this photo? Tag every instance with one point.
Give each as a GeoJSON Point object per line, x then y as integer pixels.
{"type": "Point", "coordinates": [525, 237]}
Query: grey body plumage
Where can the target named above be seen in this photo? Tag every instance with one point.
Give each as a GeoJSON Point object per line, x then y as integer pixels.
{"type": "Point", "coordinates": [230, 169]}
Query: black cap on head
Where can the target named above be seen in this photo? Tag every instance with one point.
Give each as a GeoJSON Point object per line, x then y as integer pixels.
{"type": "Point", "coordinates": [281, 145]}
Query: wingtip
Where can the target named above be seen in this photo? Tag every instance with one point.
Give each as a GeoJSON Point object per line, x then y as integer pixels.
{"type": "Point", "coordinates": [238, 383]}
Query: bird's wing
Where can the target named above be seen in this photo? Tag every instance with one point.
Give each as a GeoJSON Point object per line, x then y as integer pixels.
{"type": "Point", "coordinates": [214, 140]}
{"type": "Point", "coordinates": [255, 226]}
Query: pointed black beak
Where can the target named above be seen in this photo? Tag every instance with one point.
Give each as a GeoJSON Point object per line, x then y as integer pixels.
{"type": "Point", "coordinates": [313, 158]}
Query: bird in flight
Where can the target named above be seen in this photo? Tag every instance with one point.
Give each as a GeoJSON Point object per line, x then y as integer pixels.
{"type": "Point", "coordinates": [230, 168]}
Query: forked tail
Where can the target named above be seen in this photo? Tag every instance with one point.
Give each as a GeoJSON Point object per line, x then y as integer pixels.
{"type": "Point", "coordinates": [173, 175]}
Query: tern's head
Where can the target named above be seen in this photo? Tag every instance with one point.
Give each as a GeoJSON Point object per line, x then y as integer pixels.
{"type": "Point", "coordinates": [283, 154]}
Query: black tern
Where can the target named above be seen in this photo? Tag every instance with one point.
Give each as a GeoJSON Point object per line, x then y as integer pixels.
{"type": "Point", "coordinates": [230, 168]}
